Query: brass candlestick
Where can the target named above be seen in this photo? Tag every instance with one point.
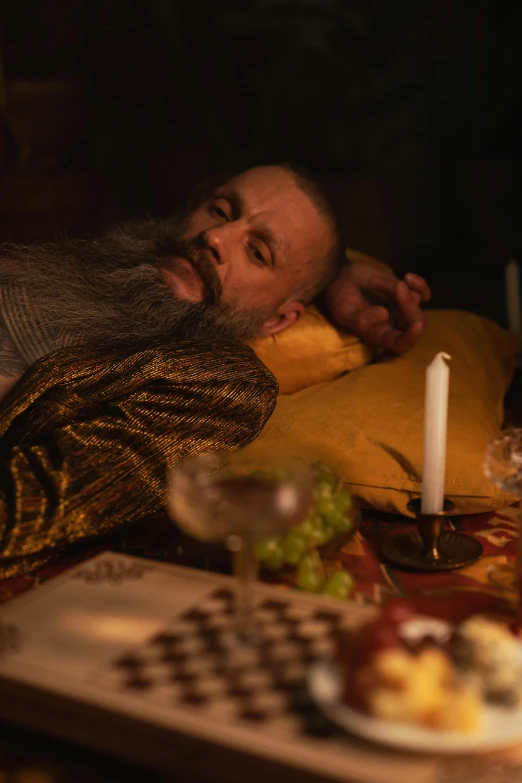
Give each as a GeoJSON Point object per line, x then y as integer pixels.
{"type": "Point", "coordinates": [431, 547]}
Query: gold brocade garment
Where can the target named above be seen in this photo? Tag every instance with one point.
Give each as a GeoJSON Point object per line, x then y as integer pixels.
{"type": "Point", "coordinates": [85, 442]}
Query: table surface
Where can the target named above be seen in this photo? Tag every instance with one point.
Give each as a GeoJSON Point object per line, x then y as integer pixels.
{"type": "Point", "coordinates": [31, 758]}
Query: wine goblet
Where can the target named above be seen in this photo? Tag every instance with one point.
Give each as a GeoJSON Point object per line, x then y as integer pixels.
{"type": "Point", "coordinates": [226, 497]}
{"type": "Point", "coordinates": [503, 466]}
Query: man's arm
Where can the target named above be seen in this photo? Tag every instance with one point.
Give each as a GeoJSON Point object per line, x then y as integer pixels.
{"type": "Point", "coordinates": [91, 449]}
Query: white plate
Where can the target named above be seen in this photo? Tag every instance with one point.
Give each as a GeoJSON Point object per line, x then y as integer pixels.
{"type": "Point", "coordinates": [501, 728]}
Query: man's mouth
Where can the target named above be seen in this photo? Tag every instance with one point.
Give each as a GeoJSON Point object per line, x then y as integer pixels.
{"type": "Point", "coordinates": [188, 269]}
{"type": "Point", "coordinates": [182, 276]}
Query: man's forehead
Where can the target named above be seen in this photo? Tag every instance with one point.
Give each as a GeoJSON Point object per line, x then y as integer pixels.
{"type": "Point", "coordinates": [270, 195]}
{"type": "Point", "coordinates": [263, 185]}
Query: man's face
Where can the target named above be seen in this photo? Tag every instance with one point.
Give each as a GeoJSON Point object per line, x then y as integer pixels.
{"type": "Point", "coordinates": [249, 246]}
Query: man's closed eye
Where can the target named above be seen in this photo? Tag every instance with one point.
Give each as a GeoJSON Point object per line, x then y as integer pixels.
{"type": "Point", "coordinates": [218, 211]}
{"type": "Point", "coordinates": [258, 256]}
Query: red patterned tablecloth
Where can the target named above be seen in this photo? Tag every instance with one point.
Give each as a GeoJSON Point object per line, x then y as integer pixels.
{"type": "Point", "coordinates": [452, 594]}
{"type": "Point", "coordinates": [483, 586]}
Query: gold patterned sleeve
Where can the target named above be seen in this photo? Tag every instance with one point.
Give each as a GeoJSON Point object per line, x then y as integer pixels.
{"type": "Point", "coordinates": [85, 443]}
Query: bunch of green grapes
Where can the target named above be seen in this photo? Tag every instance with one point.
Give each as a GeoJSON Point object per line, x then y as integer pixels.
{"type": "Point", "coordinates": [329, 516]}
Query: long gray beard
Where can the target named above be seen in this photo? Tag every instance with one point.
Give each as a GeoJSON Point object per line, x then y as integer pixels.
{"type": "Point", "coordinates": [109, 292]}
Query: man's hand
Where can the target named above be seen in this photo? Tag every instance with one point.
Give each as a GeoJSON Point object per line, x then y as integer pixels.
{"type": "Point", "coordinates": [380, 309]}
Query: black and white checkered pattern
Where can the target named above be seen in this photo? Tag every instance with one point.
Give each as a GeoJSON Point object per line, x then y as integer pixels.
{"type": "Point", "coordinates": [195, 663]}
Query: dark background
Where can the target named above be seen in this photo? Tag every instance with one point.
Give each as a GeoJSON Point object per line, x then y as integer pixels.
{"type": "Point", "coordinates": [409, 111]}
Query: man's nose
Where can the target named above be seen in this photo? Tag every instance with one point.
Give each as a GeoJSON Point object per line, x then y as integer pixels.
{"type": "Point", "coordinates": [223, 241]}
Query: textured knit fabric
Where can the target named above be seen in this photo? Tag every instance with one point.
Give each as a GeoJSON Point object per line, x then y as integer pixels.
{"type": "Point", "coordinates": [31, 336]}
{"type": "Point", "coordinates": [85, 442]}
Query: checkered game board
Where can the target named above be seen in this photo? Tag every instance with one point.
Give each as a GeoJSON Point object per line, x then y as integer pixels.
{"type": "Point", "coordinates": [196, 662]}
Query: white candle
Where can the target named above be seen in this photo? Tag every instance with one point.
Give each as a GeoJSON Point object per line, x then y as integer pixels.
{"type": "Point", "coordinates": [512, 281]}
{"type": "Point", "coordinates": [435, 425]}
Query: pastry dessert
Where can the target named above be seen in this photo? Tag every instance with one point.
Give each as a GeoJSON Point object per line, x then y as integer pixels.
{"type": "Point", "coordinates": [488, 652]}
{"type": "Point", "coordinates": [415, 670]}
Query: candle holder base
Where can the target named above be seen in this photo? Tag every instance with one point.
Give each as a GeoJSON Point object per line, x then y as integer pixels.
{"type": "Point", "coordinates": [430, 548]}
{"type": "Point", "coordinates": [456, 551]}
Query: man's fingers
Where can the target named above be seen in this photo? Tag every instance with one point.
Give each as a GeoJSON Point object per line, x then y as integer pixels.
{"type": "Point", "coordinates": [369, 318]}
{"type": "Point", "coordinates": [419, 285]}
{"type": "Point", "coordinates": [402, 342]}
{"type": "Point", "coordinates": [382, 285]}
{"type": "Point", "coordinates": [360, 319]}
{"type": "Point", "coordinates": [385, 336]}
{"type": "Point", "coordinates": [408, 303]}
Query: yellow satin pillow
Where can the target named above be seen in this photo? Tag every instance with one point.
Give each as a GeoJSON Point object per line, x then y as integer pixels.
{"type": "Point", "coordinates": [369, 424]}
{"type": "Point", "coordinates": [310, 352]}
{"type": "Point", "coordinates": [314, 350]}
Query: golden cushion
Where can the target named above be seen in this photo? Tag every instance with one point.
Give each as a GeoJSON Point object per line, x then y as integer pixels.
{"type": "Point", "coordinates": [314, 350]}
{"type": "Point", "coordinates": [369, 424]}
{"type": "Point", "coordinates": [310, 352]}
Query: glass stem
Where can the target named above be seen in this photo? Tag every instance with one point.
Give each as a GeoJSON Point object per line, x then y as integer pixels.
{"type": "Point", "coordinates": [246, 571]}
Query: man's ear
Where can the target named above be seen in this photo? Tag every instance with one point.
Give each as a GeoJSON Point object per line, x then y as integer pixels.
{"type": "Point", "coordinates": [287, 315]}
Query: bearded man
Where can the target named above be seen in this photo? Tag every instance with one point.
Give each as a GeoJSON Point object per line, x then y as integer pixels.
{"type": "Point", "coordinates": [121, 355]}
